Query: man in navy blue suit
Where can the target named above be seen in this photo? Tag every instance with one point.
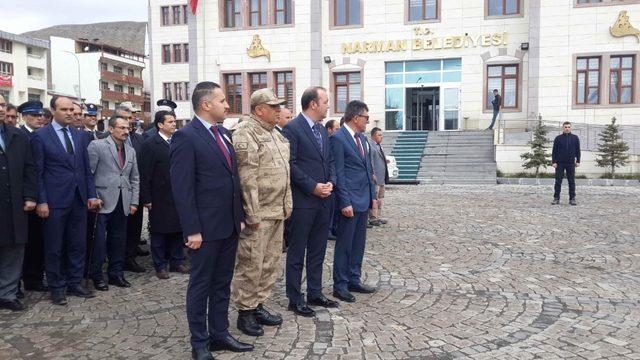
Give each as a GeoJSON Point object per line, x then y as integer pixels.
{"type": "Point", "coordinates": [206, 190]}
{"type": "Point", "coordinates": [356, 194]}
{"type": "Point", "coordinates": [312, 179]}
{"type": "Point", "coordinates": [65, 190]}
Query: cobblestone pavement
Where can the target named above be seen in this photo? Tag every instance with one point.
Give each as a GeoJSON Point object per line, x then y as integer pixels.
{"type": "Point", "coordinates": [479, 272]}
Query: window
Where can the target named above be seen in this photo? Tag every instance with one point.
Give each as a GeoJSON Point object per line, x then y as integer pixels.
{"type": "Point", "coordinates": [33, 97]}
{"type": "Point", "coordinates": [177, 14]}
{"type": "Point", "coordinates": [6, 68]}
{"type": "Point", "coordinates": [588, 80]}
{"type": "Point", "coordinates": [164, 11]}
{"type": "Point", "coordinates": [30, 72]}
{"type": "Point", "coordinates": [347, 87]}
{"type": "Point", "coordinates": [104, 85]}
{"type": "Point", "coordinates": [185, 14]}
{"type": "Point", "coordinates": [420, 10]}
{"type": "Point", "coordinates": [504, 78]}
{"type": "Point", "coordinates": [185, 47]}
{"type": "Point", "coordinates": [589, 1]}
{"type": "Point", "coordinates": [283, 11]}
{"type": "Point", "coordinates": [233, 83]}
{"type": "Point", "coordinates": [103, 67]}
{"type": "Point", "coordinates": [131, 73]}
{"type": "Point", "coordinates": [166, 53]}
{"type": "Point", "coordinates": [166, 91]}
{"type": "Point", "coordinates": [177, 53]}
{"type": "Point", "coordinates": [6, 46]}
{"type": "Point", "coordinates": [621, 79]}
{"type": "Point", "coordinates": [117, 69]}
{"type": "Point", "coordinates": [258, 81]}
{"type": "Point", "coordinates": [258, 12]}
{"type": "Point", "coordinates": [346, 12]}
{"type": "Point", "coordinates": [503, 7]}
{"type": "Point", "coordinates": [177, 91]}
{"type": "Point", "coordinates": [132, 91]}
{"type": "Point", "coordinates": [105, 105]}
{"type": "Point", "coordinates": [232, 13]}
{"type": "Point", "coordinates": [118, 88]}
{"type": "Point", "coordinates": [284, 87]}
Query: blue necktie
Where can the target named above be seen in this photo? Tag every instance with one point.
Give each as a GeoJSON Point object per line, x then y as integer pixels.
{"type": "Point", "coordinates": [316, 134]}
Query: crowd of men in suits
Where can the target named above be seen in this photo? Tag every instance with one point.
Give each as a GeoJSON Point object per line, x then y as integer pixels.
{"type": "Point", "coordinates": [231, 199]}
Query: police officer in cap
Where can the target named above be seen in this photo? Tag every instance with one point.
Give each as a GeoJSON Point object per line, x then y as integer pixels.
{"type": "Point", "coordinates": [33, 266]}
{"type": "Point", "coordinates": [90, 122]}
{"type": "Point", "coordinates": [163, 104]}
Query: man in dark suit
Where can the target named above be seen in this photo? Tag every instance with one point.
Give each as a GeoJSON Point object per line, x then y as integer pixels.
{"type": "Point", "coordinates": [206, 189]}
{"type": "Point", "coordinates": [65, 190]}
{"type": "Point", "coordinates": [356, 194]}
{"type": "Point", "coordinates": [163, 105]}
{"type": "Point", "coordinates": [155, 193]}
{"type": "Point", "coordinates": [312, 179]}
{"type": "Point", "coordinates": [18, 192]}
{"type": "Point", "coordinates": [134, 221]}
{"type": "Point", "coordinates": [33, 266]}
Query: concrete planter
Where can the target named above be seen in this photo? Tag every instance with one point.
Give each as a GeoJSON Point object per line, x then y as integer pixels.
{"type": "Point", "coordinates": [579, 182]}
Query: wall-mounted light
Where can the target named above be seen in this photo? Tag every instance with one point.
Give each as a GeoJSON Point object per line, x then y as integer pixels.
{"type": "Point", "coordinates": [327, 59]}
{"type": "Point", "coordinates": [524, 46]}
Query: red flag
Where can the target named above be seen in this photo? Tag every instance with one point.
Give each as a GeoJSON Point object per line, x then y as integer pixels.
{"type": "Point", "coordinates": [194, 6]}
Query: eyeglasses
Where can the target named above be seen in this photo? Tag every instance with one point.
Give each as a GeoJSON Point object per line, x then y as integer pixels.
{"type": "Point", "coordinates": [3, 105]}
{"type": "Point", "coordinates": [364, 116]}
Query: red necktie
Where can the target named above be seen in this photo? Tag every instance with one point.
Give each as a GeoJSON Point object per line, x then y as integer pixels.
{"type": "Point", "coordinates": [222, 147]}
{"type": "Point", "coordinates": [121, 156]}
{"type": "Point", "coordinates": [359, 145]}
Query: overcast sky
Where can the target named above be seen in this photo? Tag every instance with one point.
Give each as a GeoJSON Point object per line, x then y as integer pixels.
{"type": "Point", "coordinates": [18, 16]}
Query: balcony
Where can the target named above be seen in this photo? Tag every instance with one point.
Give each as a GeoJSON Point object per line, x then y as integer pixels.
{"type": "Point", "coordinates": [120, 78]}
{"type": "Point", "coordinates": [121, 97]}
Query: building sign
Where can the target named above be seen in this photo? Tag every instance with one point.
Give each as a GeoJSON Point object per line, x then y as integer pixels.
{"type": "Point", "coordinates": [424, 41]}
{"type": "Point", "coordinates": [256, 49]}
{"type": "Point", "coordinates": [623, 27]}
{"type": "Point", "coordinates": [6, 81]}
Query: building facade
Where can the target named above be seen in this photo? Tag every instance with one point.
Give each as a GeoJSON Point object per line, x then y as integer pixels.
{"type": "Point", "coordinates": [23, 68]}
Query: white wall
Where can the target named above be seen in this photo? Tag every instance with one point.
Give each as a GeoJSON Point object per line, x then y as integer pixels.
{"type": "Point", "coordinates": [22, 84]}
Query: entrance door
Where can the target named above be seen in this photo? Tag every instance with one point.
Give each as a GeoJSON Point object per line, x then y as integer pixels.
{"type": "Point", "coordinates": [423, 108]}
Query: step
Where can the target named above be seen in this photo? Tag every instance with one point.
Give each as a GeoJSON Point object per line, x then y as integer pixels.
{"type": "Point", "coordinates": [457, 181]}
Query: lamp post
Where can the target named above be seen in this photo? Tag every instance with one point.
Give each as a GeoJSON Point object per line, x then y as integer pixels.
{"type": "Point", "coordinates": [79, 78]}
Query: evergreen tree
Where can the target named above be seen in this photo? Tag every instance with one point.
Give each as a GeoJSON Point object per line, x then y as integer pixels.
{"type": "Point", "coordinates": [537, 157]}
{"type": "Point", "coordinates": [612, 150]}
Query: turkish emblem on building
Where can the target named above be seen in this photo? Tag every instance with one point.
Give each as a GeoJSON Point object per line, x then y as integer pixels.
{"type": "Point", "coordinates": [623, 27]}
{"type": "Point", "coordinates": [6, 81]}
{"type": "Point", "coordinates": [256, 49]}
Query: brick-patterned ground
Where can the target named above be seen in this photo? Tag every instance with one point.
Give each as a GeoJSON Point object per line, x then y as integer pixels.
{"type": "Point", "coordinates": [480, 272]}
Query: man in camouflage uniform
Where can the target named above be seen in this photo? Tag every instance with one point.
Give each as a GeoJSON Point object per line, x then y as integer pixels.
{"type": "Point", "coordinates": [263, 164]}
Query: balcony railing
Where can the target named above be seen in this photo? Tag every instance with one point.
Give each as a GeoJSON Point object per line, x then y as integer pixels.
{"type": "Point", "coordinates": [120, 78]}
{"type": "Point", "coordinates": [121, 97]}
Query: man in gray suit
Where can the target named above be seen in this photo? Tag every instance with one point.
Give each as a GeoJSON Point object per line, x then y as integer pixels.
{"type": "Point", "coordinates": [380, 175]}
{"type": "Point", "coordinates": [115, 171]}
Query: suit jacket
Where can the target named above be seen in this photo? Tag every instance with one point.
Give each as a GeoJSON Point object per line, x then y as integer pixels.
{"type": "Point", "coordinates": [59, 174]}
{"type": "Point", "coordinates": [149, 133]}
{"type": "Point", "coordinates": [111, 180]}
{"type": "Point", "coordinates": [21, 173]}
{"type": "Point", "coordinates": [26, 131]}
{"type": "Point", "coordinates": [353, 171]}
{"type": "Point", "coordinates": [206, 190]}
{"type": "Point", "coordinates": [95, 135]}
{"type": "Point", "coordinates": [309, 165]}
{"type": "Point", "coordinates": [378, 163]}
{"type": "Point", "coordinates": [155, 186]}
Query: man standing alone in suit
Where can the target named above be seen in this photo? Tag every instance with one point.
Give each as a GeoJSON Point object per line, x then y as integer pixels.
{"type": "Point", "coordinates": [356, 195]}
{"type": "Point", "coordinates": [206, 189]}
{"type": "Point", "coordinates": [65, 191]}
{"type": "Point", "coordinates": [155, 192]}
{"type": "Point", "coordinates": [312, 178]}
{"type": "Point", "coordinates": [115, 172]}
{"type": "Point", "coordinates": [18, 191]}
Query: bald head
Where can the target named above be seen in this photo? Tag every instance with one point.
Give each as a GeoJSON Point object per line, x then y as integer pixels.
{"type": "Point", "coordinates": [284, 117]}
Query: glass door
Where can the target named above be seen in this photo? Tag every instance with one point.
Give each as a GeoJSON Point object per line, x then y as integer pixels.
{"type": "Point", "coordinates": [451, 109]}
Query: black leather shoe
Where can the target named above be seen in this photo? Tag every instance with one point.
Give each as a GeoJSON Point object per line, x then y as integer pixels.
{"type": "Point", "coordinates": [80, 291]}
{"type": "Point", "coordinates": [332, 237]}
{"type": "Point", "coordinates": [20, 293]}
{"type": "Point", "coordinates": [100, 285]}
{"type": "Point", "coordinates": [573, 202]}
{"type": "Point", "coordinates": [39, 287]}
{"type": "Point", "coordinates": [375, 222]}
{"type": "Point", "coordinates": [201, 354]}
{"type": "Point", "coordinates": [322, 301]}
{"type": "Point", "coordinates": [555, 202]}
{"type": "Point", "coordinates": [248, 324]}
{"type": "Point", "coordinates": [133, 266]}
{"type": "Point", "coordinates": [266, 318]}
{"type": "Point", "coordinates": [13, 305]}
{"type": "Point", "coordinates": [229, 343]}
{"type": "Point", "coordinates": [141, 252]}
{"type": "Point", "coordinates": [344, 296]}
{"type": "Point", "coordinates": [58, 298]}
{"type": "Point", "coordinates": [302, 309]}
{"type": "Point", "coordinates": [362, 288]}
{"type": "Point", "coordinates": [119, 282]}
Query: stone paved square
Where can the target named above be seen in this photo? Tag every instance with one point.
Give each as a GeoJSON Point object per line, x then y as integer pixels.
{"type": "Point", "coordinates": [484, 272]}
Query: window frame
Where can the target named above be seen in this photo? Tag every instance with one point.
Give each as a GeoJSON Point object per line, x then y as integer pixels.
{"type": "Point", "coordinates": [576, 4]}
{"type": "Point", "coordinates": [586, 84]}
{"type": "Point", "coordinates": [131, 73]}
{"type": "Point", "coordinates": [287, 6]}
{"type": "Point", "coordinates": [407, 13]}
{"type": "Point", "coordinates": [8, 66]}
{"type": "Point", "coordinates": [117, 69]}
{"type": "Point", "coordinates": [619, 71]}
{"type": "Point", "coordinates": [333, 11]}
{"type": "Point", "coordinates": [286, 87]}
{"type": "Point", "coordinates": [246, 82]}
{"type": "Point", "coordinates": [348, 84]}
{"type": "Point", "coordinates": [234, 104]}
{"type": "Point", "coordinates": [486, 107]}
{"type": "Point", "coordinates": [488, 16]}
{"type": "Point", "coordinates": [6, 46]}
{"type": "Point", "coordinates": [260, 12]}
{"type": "Point", "coordinates": [254, 86]}
{"type": "Point", "coordinates": [104, 85]}
{"type": "Point", "coordinates": [229, 24]}
{"type": "Point", "coordinates": [118, 86]}
{"type": "Point", "coordinates": [165, 15]}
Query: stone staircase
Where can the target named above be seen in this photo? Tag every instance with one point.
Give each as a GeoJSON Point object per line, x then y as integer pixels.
{"type": "Point", "coordinates": [458, 157]}
{"type": "Point", "coordinates": [408, 149]}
